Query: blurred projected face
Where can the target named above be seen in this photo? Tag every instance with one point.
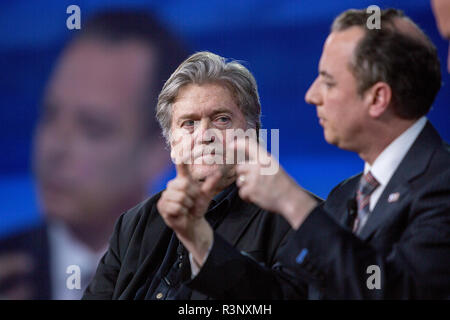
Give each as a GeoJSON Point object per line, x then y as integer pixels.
{"type": "Point", "coordinates": [89, 141]}
{"type": "Point", "coordinates": [441, 10]}
{"type": "Point", "coordinates": [334, 92]}
{"type": "Point", "coordinates": [201, 115]}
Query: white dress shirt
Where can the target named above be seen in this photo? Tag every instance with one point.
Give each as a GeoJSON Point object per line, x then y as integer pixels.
{"type": "Point", "coordinates": [389, 159]}
{"type": "Point", "coordinates": [66, 251]}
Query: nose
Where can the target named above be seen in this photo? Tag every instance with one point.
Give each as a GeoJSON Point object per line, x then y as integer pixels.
{"type": "Point", "coordinates": [204, 134]}
{"type": "Point", "coordinates": [313, 96]}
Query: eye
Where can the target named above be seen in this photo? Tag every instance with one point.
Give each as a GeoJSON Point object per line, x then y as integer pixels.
{"type": "Point", "coordinates": [96, 129]}
{"type": "Point", "coordinates": [187, 124]}
{"type": "Point", "coordinates": [223, 120]}
{"type": "Point", "coordinates": [328, 83]}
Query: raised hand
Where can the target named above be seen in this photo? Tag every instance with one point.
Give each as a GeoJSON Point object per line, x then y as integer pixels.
{"type": "Point", "coordinates": [273, 190]}
{"type": "Point", "coordinates": [183, 205]}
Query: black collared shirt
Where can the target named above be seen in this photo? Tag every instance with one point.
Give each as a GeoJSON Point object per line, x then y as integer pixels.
{"type": "Point", "coordinates": [175, 267]}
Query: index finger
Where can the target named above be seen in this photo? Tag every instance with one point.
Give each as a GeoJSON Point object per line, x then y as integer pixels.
{"type": "Point", "coordinates": [183, 170]}
{"type": "Point", "coordinates": [246, 149]}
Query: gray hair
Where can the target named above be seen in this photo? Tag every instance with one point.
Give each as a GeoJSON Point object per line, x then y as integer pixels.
{"type": "Point", "coordinates": [206, 67]}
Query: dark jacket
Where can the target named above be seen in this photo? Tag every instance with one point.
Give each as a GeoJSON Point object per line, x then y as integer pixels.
{"type": "Point", "coordinates": [407, 239]}
{"type": "Point", "coordinates": [140, 241]}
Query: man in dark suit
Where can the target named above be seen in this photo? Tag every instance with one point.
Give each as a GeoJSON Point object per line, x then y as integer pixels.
{"type": "Point", "coordinates": [383, 234]}
{"type": "Point", "coordinates": [199, 108]}
{"type": "Point", "coordinates": [97, 149]}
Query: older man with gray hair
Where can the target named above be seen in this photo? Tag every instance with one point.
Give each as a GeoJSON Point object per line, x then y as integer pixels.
{"type": "Point", "coordinates": [382, 234]}
{"type": "Point", "coordinates": [203, 100]}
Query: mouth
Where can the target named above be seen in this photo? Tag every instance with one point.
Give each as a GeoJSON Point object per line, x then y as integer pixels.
{"type": "Point", "coordinates": [202, 155]}
{"type": "Point", "coordinates": [207, 160]}
{"type": "Point", "coordinates": [321, 120]}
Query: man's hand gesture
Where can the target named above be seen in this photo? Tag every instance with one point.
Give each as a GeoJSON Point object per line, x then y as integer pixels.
{"type": "Point", "coordinates": [183, 206]}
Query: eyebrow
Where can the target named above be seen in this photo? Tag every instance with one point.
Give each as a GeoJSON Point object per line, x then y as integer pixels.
{"type": "Point", "coordinates": [91, 117]}
{"type": "Point", "coordinates": [186, 116]}
{"type": "Point", "coordinates": [221, 110]}
{"type": "Point", "coordinates": [326, 74]}
{"type": "Point", "coordinates": [83, 109]}
{"type": "Point", "coordinates": [213, 113]}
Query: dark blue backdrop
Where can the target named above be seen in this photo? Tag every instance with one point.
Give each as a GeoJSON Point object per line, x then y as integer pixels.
{"type": "Point", "coordinates": [280, 42]}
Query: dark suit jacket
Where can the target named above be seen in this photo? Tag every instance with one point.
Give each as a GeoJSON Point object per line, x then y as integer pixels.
{"type": "Point", "coordinates": [140, 240]}
{"type": "Point", "coordinates": [408, 239]}
{"type": "Point", "coordinates": [33, 242]}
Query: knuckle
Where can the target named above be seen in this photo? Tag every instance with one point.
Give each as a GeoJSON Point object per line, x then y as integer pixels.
{"type": "Point", "coordinates": [170, 184]}
{"type": "Point", "coordinates": [184, 183]}
{"type": "Point", "coordinates": [178, 207]}
{"type": "Point", "coordinates": [179, 197]}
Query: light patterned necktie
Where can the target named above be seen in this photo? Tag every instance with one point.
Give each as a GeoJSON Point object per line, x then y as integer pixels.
{"type": "Point", "coordinates": [367, 185]}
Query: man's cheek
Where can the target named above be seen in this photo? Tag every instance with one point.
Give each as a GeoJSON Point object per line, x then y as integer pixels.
{"type": "Point", "coordinates": [94, 171]}
{"type": "Point", "coordinates": [181, 147]}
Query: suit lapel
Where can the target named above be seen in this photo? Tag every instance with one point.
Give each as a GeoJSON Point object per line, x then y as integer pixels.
{"type": "Point", "coordinates": [395, 196]}
{"type": "Point", "coordinates": [384, 209]}
{"type": "Point", "coordinates": [154, 245]}
{"type": "Point", "coordinates": [339, 202]}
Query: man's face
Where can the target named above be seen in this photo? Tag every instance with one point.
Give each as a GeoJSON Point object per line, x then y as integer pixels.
{"type": "Point", "coordinates": [334, 92]}
{"type": "Point", "coordinates": [197, 111]}
{"type": "Point", "coordinates": [441, 10]}
{"type": "Point", "coordinates": [89, 140]}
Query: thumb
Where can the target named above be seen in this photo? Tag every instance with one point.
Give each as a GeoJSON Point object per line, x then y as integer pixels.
{"type": "Point", "coordinates": [182, 170]}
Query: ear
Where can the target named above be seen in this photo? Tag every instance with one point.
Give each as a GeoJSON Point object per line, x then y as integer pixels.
{"type": "Point", "coordinates": [378, 98]}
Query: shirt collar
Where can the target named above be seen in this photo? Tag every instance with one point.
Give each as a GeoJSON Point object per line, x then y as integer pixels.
{"type": "Point", "coordinates": [387, 162]}
{"type": "Point", "coordinates": [220, 204]}
{"type": "Point", "coordinates": [66, 250]}
{"type": "Point", "coordinates": [225, 195]}
{"type": "Point", "coordinates": [71, 251]}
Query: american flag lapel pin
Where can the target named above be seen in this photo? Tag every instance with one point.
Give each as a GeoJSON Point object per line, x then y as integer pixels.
{"type": "Point", "coordinates": [393, 197]}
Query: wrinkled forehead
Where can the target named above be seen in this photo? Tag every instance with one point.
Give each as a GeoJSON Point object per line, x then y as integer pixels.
{"type": "Point", "coordinates": [203, 99]}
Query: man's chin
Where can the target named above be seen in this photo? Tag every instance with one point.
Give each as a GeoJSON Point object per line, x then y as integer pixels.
{"type": "Point", "coordinates": [59, 207]}
{"type": "Point", "coordinates": [59, 213]}
{"type": "Point", "coordinates": [329, 137]}
{"type": "Point", "coordinates": [201, 171]}
{"type": "Point", "coordinates": [70, 215]}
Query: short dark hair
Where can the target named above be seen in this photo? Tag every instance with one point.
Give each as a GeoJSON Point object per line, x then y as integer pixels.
{"type": "Point", "coordinates": [119, 26]}
{"type": "Point", "coordinates": [359, 17]}
{"type": "Point", "coordinates": [409, 65]}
